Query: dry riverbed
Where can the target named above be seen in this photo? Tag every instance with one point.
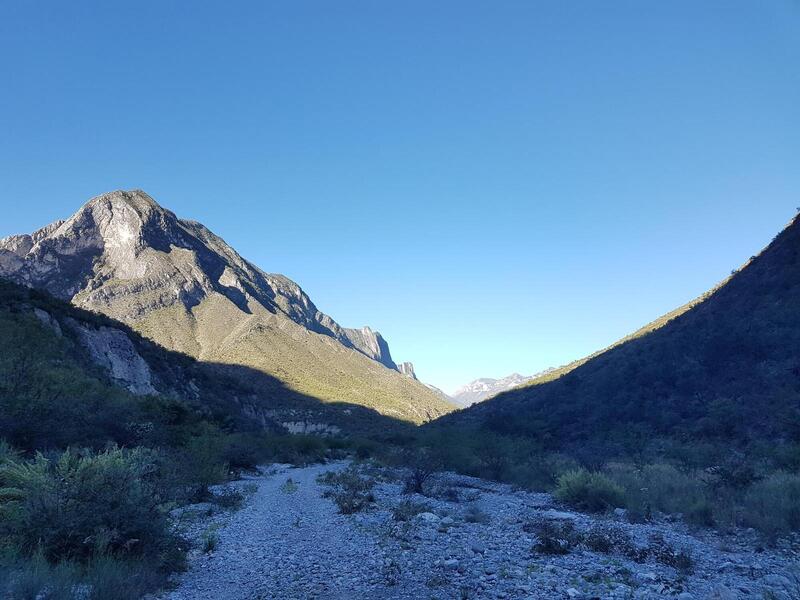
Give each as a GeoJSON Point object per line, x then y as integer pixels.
{"type": "Point", "coordinates": [472, 539]}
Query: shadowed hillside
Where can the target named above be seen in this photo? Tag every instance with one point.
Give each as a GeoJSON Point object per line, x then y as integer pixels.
{"type": "Point", "coordinates": [70, 376]}
{"type": "Point", "coordinates": [724, 368]}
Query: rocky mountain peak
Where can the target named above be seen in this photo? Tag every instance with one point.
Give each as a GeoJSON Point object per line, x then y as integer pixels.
{"type": "Point", "coordinates": [112, 229]}
{"type": "Point", "coordinates": [124, 255]}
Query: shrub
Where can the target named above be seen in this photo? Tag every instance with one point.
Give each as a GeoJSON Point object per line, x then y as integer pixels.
{"type": "Point", "coordinates": [407, 510]}
{"type": "Point", "coordinates": [449, 494]}
{"type": "Point", "coordinates": [422, 465]}
{"type": "Point", "coordinates": [202, 464]}
{"type": "Point", "coordinates": [700, 512]}
{"type": "Point", "coordinates": [664, 553]}
{"type": "Point", "coordinates": [599, 541]}
{"type": "Point", "coordinates": [210, 539]}
{"type": "Point", "coordinates": [229, 498]}
{"type": "Point", "coordinates": [592, 492]}
{"type": "Point", "coordinates": [7, 453]}
{"type": "Point", "coordinates": [553, 537]}
{"type": "Point", "coordinates": [289, 486]}
{"type": "Point", "coordinates": [79, 506]}
{"type": "Point", "coordinates": [772, 505]}
{"type": "Point", "coordinates": [364, 449]}
{"type": "Point", "coordinates": [110, 578]}
{"type": "Point", "coordinates": [539, 471]}
{"type": "Point", "coordinates": [36, 578]}
{"type": "Point", "coordinates": [735, 472]}
{"type": "Point", "coordinates": [350, 491]}
{"type": "Point", "coordinates": [244, 451]}
{"type": "Point", "coordinates": [663, 488]}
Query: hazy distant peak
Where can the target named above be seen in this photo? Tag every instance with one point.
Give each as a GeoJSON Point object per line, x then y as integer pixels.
{"type": "Point", "coordinates": [481, 389]}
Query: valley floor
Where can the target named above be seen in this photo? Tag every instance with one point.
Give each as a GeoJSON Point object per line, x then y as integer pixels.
{"type": "Point", "coordinates": [289, 542]}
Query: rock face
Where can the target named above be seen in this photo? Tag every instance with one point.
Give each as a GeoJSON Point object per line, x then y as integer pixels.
{"type": "Point", "coordinates": [177, 283]}
{"type": "Point", "coordinates": [113, 350]}
{"type": "Point", "coordinates": [370, 343]}
{"type": "Point", "coordinates": [407, 369]}
{"type": "Point", "coordinates": [481, 389]}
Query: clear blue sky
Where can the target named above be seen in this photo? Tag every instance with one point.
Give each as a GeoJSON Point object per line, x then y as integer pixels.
{"type": "Point", "coordinates": [496, 186]}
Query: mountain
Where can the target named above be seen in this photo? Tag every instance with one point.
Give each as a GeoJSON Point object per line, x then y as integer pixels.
{"type": "Point", "coordinates": [183, 287]}
{"type": "Point", "coordinates": [486, 387]}
{"type": "Point", "coordinates": [722, 370]}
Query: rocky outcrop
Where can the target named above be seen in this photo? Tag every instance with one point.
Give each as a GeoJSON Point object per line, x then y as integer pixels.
{"type": "Point", "coordinates": [113, 350]}
{"type": "Point", "coordinates": [46, 319]}
{"type": "Point", "coordinates": [407, 369]}
{"type": "Point", "coordinates": [307, 428]}
{"type": "Point", "coordinates": [372, 344]}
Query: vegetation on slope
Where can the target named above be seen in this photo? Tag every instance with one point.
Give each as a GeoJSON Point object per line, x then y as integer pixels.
{"type": "Point", "coordinates": [89, 471]}
{"type": "Point", "coordinates": [701, 408]}
{"type": "Point", "coordinates": [723, 372]}
{"type": "Point", "coordinates": [306, 363]}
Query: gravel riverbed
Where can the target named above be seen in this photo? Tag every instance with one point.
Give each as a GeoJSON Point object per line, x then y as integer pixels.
{"type": "Point", "coordinates": [473, 540]}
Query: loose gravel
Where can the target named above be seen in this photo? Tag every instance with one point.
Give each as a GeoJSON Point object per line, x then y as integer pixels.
{"type": "Point", "coordinates": [472, 541]}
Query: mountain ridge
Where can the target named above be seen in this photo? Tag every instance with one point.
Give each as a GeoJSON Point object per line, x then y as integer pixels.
{"type": "Point", "coordinates": [482, 388]}
{"type": "Point", "coordinates": [178, 283]}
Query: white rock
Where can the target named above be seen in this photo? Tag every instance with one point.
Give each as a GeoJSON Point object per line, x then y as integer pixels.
{"type": "Point", "coordinates": [428, 517]}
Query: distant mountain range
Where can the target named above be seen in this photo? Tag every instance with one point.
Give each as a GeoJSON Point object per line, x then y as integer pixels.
{"type": "Point", "coordinates": [180, 285]}
{"type": "Point", "coordinates": [486, 387]}
{"type": "Point", "coordinates": [723, 369]}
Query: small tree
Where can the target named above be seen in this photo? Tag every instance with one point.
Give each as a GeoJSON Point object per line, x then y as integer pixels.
{"type": "Point", "coordinates": [422, 464]}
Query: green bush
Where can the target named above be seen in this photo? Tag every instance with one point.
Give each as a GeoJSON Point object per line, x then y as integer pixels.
{"type": "Point", "coordinates": [111, 578]}
{"type": "Point", "coordinates": [36, 578]}
{"type": "Point", "coordinates": [298, 450]}
{"type": "Point", "coordinates": [244, 451]}
{"type": "Point", "coordinates": [605, 539]}
{"type": "Point", "coordinates": [202, 463]}
{"type": "Point", "coordinates": [422, 465]}
{"type": "Point", "coordinates": [79, 506]}
{"type": "Point", "coordinates": [592, 492]}
{"type": "Point", "coordinates": [662, 551]}
{"type": "Point", "coordinates": [700, 512]}
{"type": "Point", "coordinates": [773, 505]}
{"type": "Point", "coordinates": [350, 491]}
{"type": "Point", "coordinates": [210, 539]}
{"type": "Point", "coordinates": [662, 487]}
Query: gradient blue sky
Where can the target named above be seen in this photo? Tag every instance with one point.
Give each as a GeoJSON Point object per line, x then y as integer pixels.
{"type": "Point", "coordinates": [495, 186]}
